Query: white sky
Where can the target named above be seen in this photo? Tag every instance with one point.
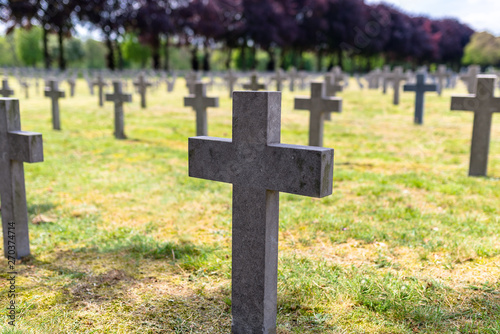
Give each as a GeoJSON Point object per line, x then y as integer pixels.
{"type": "Point", "coordinates": [478, 14]}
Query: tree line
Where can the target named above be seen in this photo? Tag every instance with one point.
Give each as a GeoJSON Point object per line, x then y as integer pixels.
{"type": "Point", "coordinates": [286, 31]}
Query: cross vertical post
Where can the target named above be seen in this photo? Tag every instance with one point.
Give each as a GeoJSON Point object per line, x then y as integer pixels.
{"type": "Point", "coordinates": [419, 88]}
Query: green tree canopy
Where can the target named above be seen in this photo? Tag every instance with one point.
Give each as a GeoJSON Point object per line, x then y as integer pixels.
{"type": "Point", "coordinates": [483, 49]}
{"type": "Point", "coordinates": [28, 46]}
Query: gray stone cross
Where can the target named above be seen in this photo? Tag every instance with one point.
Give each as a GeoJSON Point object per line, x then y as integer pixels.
{"type": "Point", "coordinates": [72, 84]}
{"type": "Point", "coordinates": [200, 102]}
{"type": "Point", "coordinates": [16, 147]}
{"type": "Point", "coordinates": [396, 78]}
{"type": "Point", "coordinates": [231, 80]}
{"type": "Point", "coordinates": [55, 94]}
{"type": "Point", "coordinates": [142, 84]}
{"type": "Point", "coordinates": [279, 77]}
{"type": "Point", "coordinates": [420, 88]}
{"type": "Point", "coordinates": [100, 83]}
{"type": "Point", "coordinates": [441, 74]}
{"type": "Point", "coordinates": [293, 75]}
{"type": "Point", "coordinates": [318, 105]}
{"type": "Point", "coordinates": [483, 104]}
{"type": "Point", "coordinates": [6, 91]}
{"type": "Point", "coordinates": [118, 97]}
{"type": "Point", "coordinates": [259, 167]}
{"type": "Point", "coordinates": [332, 87]}
{"type": "Point", "coordinates": [254, 83]}
{"type": "Point", "coordinates": [470, 78]}
{"type": "Point", "coordinates": [386, 71]}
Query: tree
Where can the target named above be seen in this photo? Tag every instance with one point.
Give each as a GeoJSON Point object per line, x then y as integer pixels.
{"type": "Point", "coordinates": [28, 46]}
{"type": "Point", "coordinates": [483, 49]}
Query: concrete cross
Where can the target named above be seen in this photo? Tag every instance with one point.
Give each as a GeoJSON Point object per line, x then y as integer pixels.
{"type": "Point", "coordinates": [259, 167]}
{"type": "Point", "coordinates": [302, 79]}
{"type": "Point", "coordinates": [396, 78]}
{"type": "Point", "coordinates": [171, 83]}
{"type": "Point", "coordinates": [279, 77]}
{"type": "Point", "coordinates": [72, 83]}
{"type": "Point", "coordinates": [318, 105]}
{"type": "Point", "coordinates": [55, 94]}
{"type": "Point", "coordinates": [420, 88]}
{"type": "Point", "coordinates": [470, 78]}
{"type": "Point", "coordinates": [191, 79]}
{"type": "Point", "coordinates": [441, 74]}
{"type": "Point", "coordinates": [200, 102]}
{"type": "Point", "coordinates": [16, 147]}
{"type": "Point", "coordinates": [118, 97]}
{"type": "Point", "coordinates": [142, 84]}
{"type": "Point", "coordinates": [483, 104]}
{"type": "Point", "coordinates": [231, 80]}
{"type": "Point", "coordinates": [332, 87]}
{"type": "Point", "coordinates": [293, 75]}
{"type": "Point", "coordinates": [6, 91]}
{"type": "Point", "coordinates": [254, 83]}
{"type": "Point", "coordinates": [386, 71]}
{"type": "Point", "coordinates": [25, 85]}
{"type": "Point", "coordinates": [100, 83]}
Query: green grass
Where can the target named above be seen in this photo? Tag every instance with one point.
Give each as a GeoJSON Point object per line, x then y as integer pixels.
{"type": "Point", "coordinates": [407, 243]}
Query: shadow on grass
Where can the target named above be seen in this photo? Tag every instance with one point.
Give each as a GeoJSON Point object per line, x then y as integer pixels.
{"type": "Point", "coordinates": [36, 209]}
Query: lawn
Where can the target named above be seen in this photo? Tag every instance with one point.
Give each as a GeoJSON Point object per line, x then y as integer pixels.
{"type": "Point", "coordinates": [123, 241]}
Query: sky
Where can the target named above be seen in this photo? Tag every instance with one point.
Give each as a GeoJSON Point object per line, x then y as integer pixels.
{"type": "Point", "coordinates": [480, 15]}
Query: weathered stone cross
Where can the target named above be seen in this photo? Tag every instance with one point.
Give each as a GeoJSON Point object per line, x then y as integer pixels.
{"type": "Point", "coordinates": [16, 147]}
{"type": "Point", "coordinates": [254, 83]}
{"type": "Point", "coordinates": [231, 80]}
{"type": "Point", "coordinates": [118, 97]}
{"type": "Point", "coordinates": [420, 88]}
{"type": "Point", "coordinates": [100, 83]}
{"type": "Point", "coordinates": [440, 75]}
{"type": "Point", "coordinates": [396, 78]}
{"type": "Point", "coordinates": [332, 87]}
{"type": "Point", "coordinates": [293, 75]}
{"type": "Point", "coordinates": [483, 104]}
{"type": "Point", "coordinates": [279, 77]}
{"type": "Point", "coordinates": [55, 94]}
{"type": "Point", "coordinates": [259, 167]}
{"type": "Point", "coordinates": [470, 78]}
{"type": "Point", "coordinates": [200, 102]}
{"type": "Point", "coordinates": [319, 105]}
{"type": "Point", "coordinates": [72, 83]}
{"type": "Point", "coordinates": [142, 84]}
{"type": "Point", "coordinates": [6, 91]}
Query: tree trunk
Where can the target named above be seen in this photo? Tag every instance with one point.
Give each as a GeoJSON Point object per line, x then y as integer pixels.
{"type": "Point", "coordinates": [229, 58]}
{"type": "Point", "coordinates": [340, 59]}
{"type": "Point", "coordinates": [243, 56]}
{"type": "Point", "coordinates": [62, 61]}
{"type": "Point", "coordinates": [110, 57]}
{"type": "Point", "coordinates": [195, 65]}
{"type": "Point", "coordinates": [253, 57]}
{"type": "Point", "coordinates": [206, 60]}
{"type": "Point", "coordinates": [120, 56]}
{"type": "Point", "coordinates": [319, 60]}
{"type": "Point", "coordinates": [271, 64]}
{"type": "Point", "coordinates": [46, 55]}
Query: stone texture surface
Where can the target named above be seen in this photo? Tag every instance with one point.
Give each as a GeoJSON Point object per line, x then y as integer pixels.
{"type": "Point", "coordinates": [118, 97]}
{"type": "Point", "coordinates": [483, 104]}
{"type": "Point", "coordinates": [6, 91]}
{"type": "Point", "coordinates": [259, 167]}
{"type": "Point", "coordinates": [55, 94]}
{"type": "Point", "coordinates": [16, 147]}
{"type": "Point", "coordinates": [200, 102]}
{"type": "Point", "coordinates": [319, 106]}
{"type": "Point", "coordinates": [420, 87]}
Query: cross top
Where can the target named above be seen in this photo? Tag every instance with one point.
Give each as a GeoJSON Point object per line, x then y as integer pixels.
{"type": "Point", "coordinates": [420, 86]}
{"type": "Point", "coordinates": [254, 83]}
{"type": "Point", "coordinates": [118, 96]}
{"type": "Point", "coordinates": [483, 101]}
{"type": "Point", "coordinates": [53, 90]}
{"type": "Point", "coordinates": [200, 102]}
{"type": "Point", "coordinates": [6, 91]}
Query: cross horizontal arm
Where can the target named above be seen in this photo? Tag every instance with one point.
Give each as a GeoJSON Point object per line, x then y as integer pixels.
{"type": "Point", "coordinates": [466, 102]}
{"type": "Point", "coordinates": [210, 158]}
{"type": "Point", "coordinates": [302, 103]}
{"type": "Point", "coordinates": [211, 102]}
{"type": "Point", "coordinates": [190, 101]}
{"type": "Point", "coordinates": [332, 104]}
{"type": "Point", "coordinates": [409, 88]}
{"type": "Point", "coordinates": [25, 146]}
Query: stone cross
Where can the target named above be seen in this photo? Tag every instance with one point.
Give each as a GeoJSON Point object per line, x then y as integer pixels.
{"type": "Point", "coordinates": [374, 79]}
{"type": "Point", "coordinates": [259, 167]}
{"type": "Point", "coordinates": [483, 104]}
{"type": "Point", "coordinates": [25, 85]}
{"type": "Point", "coordinates": [420, 88]}
{"type": "Point", "coordinates": [293, 75]}
{"type": "Point", "coordinates": [55, 94]}
{"type": "Point", "coordinates": [6, 91]}
{"type": "Point", "coordinates": [16, 147]}
{"type": "Point", "coordinates": [470, 78]}
{"type": "Point", "coordinates": [142, 84]}
{"type": "Point", "coordinates": [386, 71]}
{"type": "Point", "coordinates": [191, 79]}
{"type": "Point", "coordinates": [100, 83]}
{"type": "Point", "coordinates": [231, 80]}
{"type": "Point", "coordinates": [441, 74]}
{"type": "Point", "coordinates": [171, 83]}
{"type": "Point", "coordinates": [279, 77]}
{"type": "Point", "coordinates": [254, 83]}
{"type": "Point", "coordinates": [118, 97]}
{"type": "Point", "coordinates": [72, 83]}
{"type": "Point", "coordinates": [200, 102]}
{"type": "Point", "coordinates": [318, 105]}
{"type": "Point", "coordinates": [332, 87]}
{"type": "Point", "coordinates": [396, 78]}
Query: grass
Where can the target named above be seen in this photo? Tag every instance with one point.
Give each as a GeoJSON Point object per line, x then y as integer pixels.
{"type": "Point", "coordinates": [126, 242]}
